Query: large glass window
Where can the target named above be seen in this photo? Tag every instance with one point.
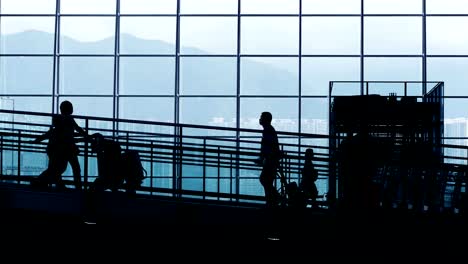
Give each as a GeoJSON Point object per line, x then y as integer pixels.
{"type": "Point", "coordinates": [26, 75]}
{"type": "Point", "coordinates": [88, 6]}
{"type": "Point", "coordinates": [208, 76]}
{"type": "Point", "coordinates": [146, 76]}
{"type": "Point", "coordinates": [393, 6]}
{"type": "Point", "coordinates": [87, 35]}
{"type": "Point", "coordinates": [452, 71]}
{"type": "Point", "coordinates": [77, 77]}
{"type": "Point", "coordinates": [393, 35]}
{"type": "Point", "coordinates": [208, 111]}
{"type": "Point", "coordinates": [331, 35]}
{"type": "Point", "coordinates": [444, 35]}
{"type": "Point", "coordinates": [27, 7]}
{"type": "Point", "coordinates": [90, 106]}
{"type": "Point", "coordinates": [318, 72]}
{"type": "Point", "coordinates": [147, 108]}
{"type": "Point", "coordinates": [331, 7]}
{"type": "Point", "coordinates": [148, 6]}
{"type": "Point", "coordinates": [446, 7]}
{"type": "Point", "coordinates": [27, 35]}
{"type": "Point", "coordinates": [147, 35]}
{"type": "Point", "coordinates": [270, 6]}
{"type": "Point", "coordinates": [208, 35]}
{"type": "Point", "coordinates": [269, 35]}
{"type": "Point", "coordinates": [269, 76]}
{"type": "Point", "coordinates": [284, 112]}
{"type": "Point", "coordinates": [208, 6]}
{"type": "Point", "coordinates": [198, 62]}
{"type": "Point", "coordinates": [392, 69]}
{"type": "Point", "coordinates": [314, 115]}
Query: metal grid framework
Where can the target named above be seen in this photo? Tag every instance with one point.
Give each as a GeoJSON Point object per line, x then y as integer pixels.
{"type": "Point", "coordinates": [56, 95]}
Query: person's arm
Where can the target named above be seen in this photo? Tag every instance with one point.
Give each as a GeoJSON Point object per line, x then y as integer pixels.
{"type": "Point", "coordinates": [80, 130]}
{"type": "Point", "coordinates": [44, 136]}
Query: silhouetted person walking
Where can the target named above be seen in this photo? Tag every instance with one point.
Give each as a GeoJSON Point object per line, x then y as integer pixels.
{"type": "Point", "coordinates": [269, 158]}
{"type": "Point", "coordinates": [61, 148]}
{"type": "Point", "coordinates": [309, 176]}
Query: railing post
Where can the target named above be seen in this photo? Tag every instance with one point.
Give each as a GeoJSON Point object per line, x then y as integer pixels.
{"type": "Point", "coordinates": [219, 169]}
{"type": "Point", "coordinates": [230, 178]}
{"type": "Point", "coordinates": [406, 89]}
{"type": "Point", "coordinates": [204, 168]}
{"type": "Point", "coordinates": [174, 162]}
{"type": "Point", "coordinates": [127, 138]}
{"type": "Point", "coordinates": [178, 162]}
{"type": "Point", "coordinates": [151, 166]}
{"type": "Point", "coordinates": [1, 155]}
{"type": "Point", "coordinates": [86, 155]}
{"type": "Point", "coordinates": [19, 157]}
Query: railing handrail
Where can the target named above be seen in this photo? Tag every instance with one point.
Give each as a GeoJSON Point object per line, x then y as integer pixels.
{"type": "Point", "coordinates": [134, 121]}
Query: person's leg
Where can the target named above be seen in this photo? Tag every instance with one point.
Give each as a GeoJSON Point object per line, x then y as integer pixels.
{"type": "Point", "coordinates": [57, 166]}
{"type": "Point", "coordinates": [75, 165]}
{"type": "Point", "coordinates": [267, 178]}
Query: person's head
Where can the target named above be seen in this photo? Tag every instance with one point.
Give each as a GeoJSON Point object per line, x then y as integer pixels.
{"type": "Point", "coordinates": [97, 142]}
{"type": "Point", "coordinates": [309, 153]}
{"type": "Point", "coordinates": [265, 118]}
{"type": "Point", "coordinates": [66, 108]}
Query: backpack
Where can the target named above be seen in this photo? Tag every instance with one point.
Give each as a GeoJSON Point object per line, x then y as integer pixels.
{"type": "Point", "coordinates": [132, 169]}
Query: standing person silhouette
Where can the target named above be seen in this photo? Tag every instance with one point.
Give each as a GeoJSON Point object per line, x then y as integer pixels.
{"type": "Point", "coordinates": [62, 148]}
{"type": "Point", "coordinates": [269, 159]}
{"type": "Point", "coordinates": [309, 176]}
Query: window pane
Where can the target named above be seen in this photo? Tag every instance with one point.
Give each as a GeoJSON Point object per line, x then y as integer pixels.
{"type": "Point", "coordinates": [393, 6]}
{"type": "Point", "coordinates": [208, 111]}
{"type": "Point", "coordinates": [318, 72]}
{"type": "Point", "coordinates": [331, 7]}
{"type": "Point", "coordinates": [451, 71]}
{"type": "Point", "coordinates": [26, 75]}
{"type": "Point", "coordinates": [87, 6]}
{"type": "Point", "coordinates": [455, 125]}
{"type": "Point", "coordinates": [444, 35]}
{"type": "Point", "coordinates": [331, 35]}
{"type": "Point", "coordinates": [147, 108]}
{"type": "Point", "coordinates": [90, 106]}
{"type": "Point", "coordinates": [393, 35]}
{"type": "Point", "coordinates": [392, 69]}
{"type": "Point", "coordinates": [314, 117]}
{"type": "Point", "coordinates": [446, 7]}
{"type": "Point", "coordinates": [455, 108]}
{"type": "Point", "coordinates": [147, 75]}
{"type": "Point", "coordinates": [86, 75]}
{"type": "Point", "coordinates": [27, 7]}
{"type": "Point", "coordinates": [87, 35]}
{"type": "Point", "coordinates": [26, 103]}
{"type": "Point", "coordinates": [208, 35]}
{"type": "Point", "coordinates": [270, 35]}
{"type": "Point", "coordinates": [208, 76]}
{"type": "Point", "coordinates": [270, 6]}
{"type": "Point", "coordinates": [284, 111]}
{"type": "Point", "coordinates": [147, 35]}
{"type": "Point", "coordinates": [208, 6]}
{"type": "Point", "coordinates": [27, 35]}
{"type": "Point", "coordinates": [269, 76]}
{"type": "Point", "coordinates": [148, 6]}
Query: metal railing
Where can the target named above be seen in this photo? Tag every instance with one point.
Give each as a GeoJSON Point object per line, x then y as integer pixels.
{"type": "Point", "coordinates": [182, 160]}
{"type": "Point", "coordinates": [197, 162]}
